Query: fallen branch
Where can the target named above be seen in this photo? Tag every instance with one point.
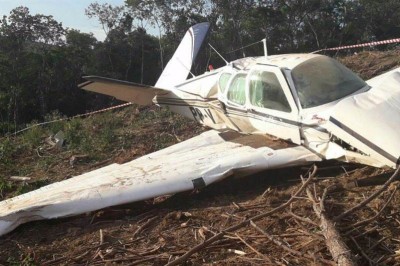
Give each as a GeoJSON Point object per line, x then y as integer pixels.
{"type": "Point", "coordinates": [101, 237]}
{"type": "Point", "coordinates": [141, 228]}
{"type": "Point", "coordinates": [302, 219]}
{"type": "Point", "coordinates": [285, 246]}
{"type": "Point", "coordinates": [376, 244]}
{"type": "Point", "coordinates": [370, 261]}
{"type": "Point", "coordinates": [20, 178]}
{"type": "Point", "coordinates": [367, 221]}
{"type": "Point", "coordinates": [370, 198]}
{"type": "Point", "coordinates": [246, 222]}
{"type": "Point", "coordinates": [337, 247]}
{"type": "Point", "coordinates": [100, 163]}
{"type": "Point", "coordinates": [253, 249]}
{"type": "Point", "coordinates": [134, 260]}
{"type": "Point", "coordinates": [375, 180]}
{"type": "Point", "coordinates": [276, 241]}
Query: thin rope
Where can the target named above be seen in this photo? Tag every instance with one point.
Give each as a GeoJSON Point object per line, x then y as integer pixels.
{"type": "Point", "coordinates": [241, 48]}
{"type": "Point", "coordinates": [68, 118]}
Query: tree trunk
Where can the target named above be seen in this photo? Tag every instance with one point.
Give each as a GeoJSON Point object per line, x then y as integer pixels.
{"type": "Point", "coordinates": [341, 254]}
{"type": "Point", "coordinates": [142, 64]}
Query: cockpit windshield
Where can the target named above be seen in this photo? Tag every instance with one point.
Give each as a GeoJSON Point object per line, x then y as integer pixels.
{"type": "Point", "coordinates": [322, 80]}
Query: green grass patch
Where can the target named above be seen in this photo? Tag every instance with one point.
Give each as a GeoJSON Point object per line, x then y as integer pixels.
{"type": "Point", "coordinates": [98, 137]}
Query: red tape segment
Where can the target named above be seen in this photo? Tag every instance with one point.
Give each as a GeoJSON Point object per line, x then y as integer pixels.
{"type": "Point", "coordinates": [76, 116]}
{"type": "Point", "coordinates": [360, 45]}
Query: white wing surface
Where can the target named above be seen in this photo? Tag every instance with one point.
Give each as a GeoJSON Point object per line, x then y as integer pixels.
{"type": "Point", "coordinates": [191, 164]}
{"type": "Point", "coordinates": [377, 81]}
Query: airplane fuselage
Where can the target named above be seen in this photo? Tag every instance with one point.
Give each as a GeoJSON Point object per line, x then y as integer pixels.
{"type": "Point", "coordinates": [262, 96]}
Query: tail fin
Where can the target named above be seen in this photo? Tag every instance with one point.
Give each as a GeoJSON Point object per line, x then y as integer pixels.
{"type": "Point", "coordinates": [178, 68]}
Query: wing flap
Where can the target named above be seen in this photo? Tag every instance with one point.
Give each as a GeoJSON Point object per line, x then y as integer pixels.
{"type": "Point", "coordinates": [194, 163]}
{"type": "Point", "coordinates": [122, 90]}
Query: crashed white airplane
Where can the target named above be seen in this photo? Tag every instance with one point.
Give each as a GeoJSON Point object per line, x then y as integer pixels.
{"type": "Point", "coordinates": [313, 102]}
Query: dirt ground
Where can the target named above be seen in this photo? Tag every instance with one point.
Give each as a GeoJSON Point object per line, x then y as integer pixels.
{"type": "Point", "coordinates": [159, 231]}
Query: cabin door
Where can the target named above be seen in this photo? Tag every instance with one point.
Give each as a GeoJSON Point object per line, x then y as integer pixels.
{"type": "Point", "coordinates": [270, 105]}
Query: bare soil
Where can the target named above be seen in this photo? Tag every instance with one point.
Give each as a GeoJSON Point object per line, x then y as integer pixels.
{"type": "Point", "coordinates": [158, 231]}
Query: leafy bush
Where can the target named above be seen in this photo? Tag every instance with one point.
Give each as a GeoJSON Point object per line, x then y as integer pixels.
{"type": "Point", "coordinates": [106, 124]}
{"type": "Point", "coordinates": [7, 150]}
{"type": "Point", "coordinates": [33, 136]}
{"type": "Point", "coordinates": [55, 126]}
{"type": "Point", "coordinates": [5, 187]}
{"type": "Point", "coordinates": [25, 260]}
{"type": "Point", "coordinates": [74, 133]}
{"type": "Point", "coordinates": [6, 127]}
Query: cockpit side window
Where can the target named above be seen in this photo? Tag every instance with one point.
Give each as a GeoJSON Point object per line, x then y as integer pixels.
{"type": "Point", "coordinates": [266, 92]}
{"type": "Point", "coordinates": [223, 81]}
{"type": "Point", "coordinates": [236, 90]}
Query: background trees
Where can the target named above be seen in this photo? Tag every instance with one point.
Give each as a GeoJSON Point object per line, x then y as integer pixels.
{"type": "Point", "coordinates": [41, 62]}
{"type": "Point", "coordinates": [29, 45]}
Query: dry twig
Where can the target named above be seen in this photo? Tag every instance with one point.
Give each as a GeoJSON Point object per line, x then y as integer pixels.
{"type": "Point", "coordinates": [370, 198]}
{"type": "Point", "coordinates": [276, 241]}
{"type": "Point", "coordinates": [141, 228]}
{"type": "Point", "coordinates": [244, 223]}
{"type": "Point", "coordinates": [367, 221]}
{"type": "Point", "coordinates": [253, 249]}
{"type": "Point", "coordinates": [101, 237]}
{"type": "Point", "coordinates": [371, 262]}
{"type": "Point", "coordinates": [302, 219]}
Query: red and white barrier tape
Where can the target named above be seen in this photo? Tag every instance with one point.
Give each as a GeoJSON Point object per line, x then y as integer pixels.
{"type": "Point", "coordinates": [76, 116]}
{"type": "Point", "coordinates": [360, 45]}
{"type": "Point", "coordinates": [102, 110]}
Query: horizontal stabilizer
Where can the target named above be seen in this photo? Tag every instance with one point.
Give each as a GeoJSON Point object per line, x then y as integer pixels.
{"type": "Point", "coordinates": [122, 90]}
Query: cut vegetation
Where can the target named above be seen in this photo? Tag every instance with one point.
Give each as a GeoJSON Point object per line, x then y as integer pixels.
{"type": "Point", "coordinates": [255, 220]}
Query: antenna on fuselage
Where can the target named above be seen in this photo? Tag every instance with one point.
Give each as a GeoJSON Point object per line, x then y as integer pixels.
{"type": "Point", "coordinates": [227, 63]}
{"type": "Point", "coordinates": [188, 69]}
{"type": "Point", "coordinates": [265, 47]}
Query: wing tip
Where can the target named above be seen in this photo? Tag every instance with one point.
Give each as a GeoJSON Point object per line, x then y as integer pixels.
{"type": "Point", "coordinates": [84, 84]}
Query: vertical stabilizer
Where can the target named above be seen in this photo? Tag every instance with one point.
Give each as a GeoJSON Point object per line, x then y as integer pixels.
{"type": "Point", "coordinates": [178, 68]}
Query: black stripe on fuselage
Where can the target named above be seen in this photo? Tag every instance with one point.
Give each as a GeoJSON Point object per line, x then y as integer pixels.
{"type": "Point", "coordinates": [365, 141]}
{"type": "Point", "coordinates": [183, 102]}
{"type": "Point", "coordinates": [255, 114]}
{"type": "Point", "coordinates": [234, 111]}
{"type": "Point", "coordinates": [205, 100]}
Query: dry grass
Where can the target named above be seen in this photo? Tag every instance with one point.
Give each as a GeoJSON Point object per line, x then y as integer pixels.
{"type": "Point", "coordinates": [157, 231]}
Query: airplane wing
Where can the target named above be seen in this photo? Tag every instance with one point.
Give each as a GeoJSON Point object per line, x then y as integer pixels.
{"type": "Point", "coordinates": [192, 164]}
{"type": "Point", "coordinates": [377, 81]}
{"type": "Point", "coordinates": [122, 90]}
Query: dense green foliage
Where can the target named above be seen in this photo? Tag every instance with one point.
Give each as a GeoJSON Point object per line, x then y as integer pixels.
{"type": "Point", "coordinates": [289, 25]}
{"type": "Point", "coordinates": [41, 62]}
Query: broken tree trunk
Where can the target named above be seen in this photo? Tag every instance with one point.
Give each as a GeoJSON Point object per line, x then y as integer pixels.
{"type": "Point", "coordinates": [340, 252]}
